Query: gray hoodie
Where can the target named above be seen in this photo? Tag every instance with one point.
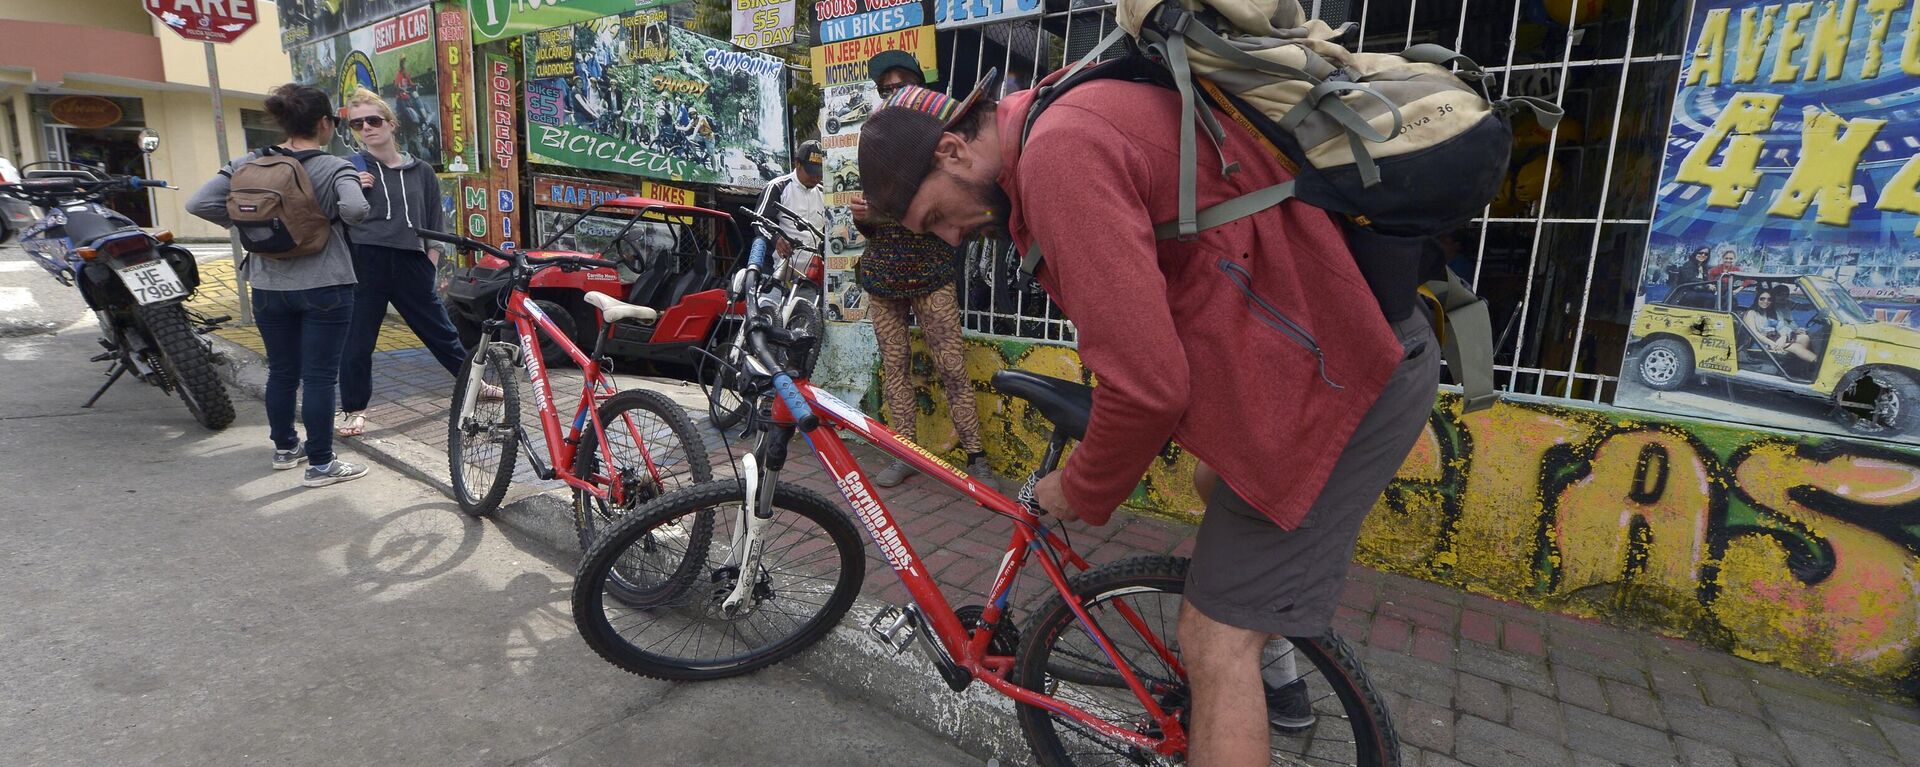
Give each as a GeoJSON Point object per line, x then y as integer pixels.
{"type": "Point", "coordinates": [335, 188]}
{"type": "Point", "coordinates": [404, 200]}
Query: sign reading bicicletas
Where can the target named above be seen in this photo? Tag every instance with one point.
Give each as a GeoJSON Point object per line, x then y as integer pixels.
{"type": "Point", "coordinates": [205, 21]}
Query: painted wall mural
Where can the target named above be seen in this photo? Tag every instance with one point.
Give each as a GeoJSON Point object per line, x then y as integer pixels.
{"type": "Point", "coordinates": [1803, 551]}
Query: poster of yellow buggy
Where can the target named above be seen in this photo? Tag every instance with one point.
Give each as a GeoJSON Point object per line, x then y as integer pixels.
{"type": "Point", "coordinates": [1783, 267]}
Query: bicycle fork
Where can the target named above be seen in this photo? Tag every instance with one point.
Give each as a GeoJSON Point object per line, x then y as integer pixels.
{"type": "Point", "coordinates": [760, 474]}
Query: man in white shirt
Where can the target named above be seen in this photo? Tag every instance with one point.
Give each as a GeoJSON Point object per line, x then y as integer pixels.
{"type": "Point", "coordinates": [800, 192]}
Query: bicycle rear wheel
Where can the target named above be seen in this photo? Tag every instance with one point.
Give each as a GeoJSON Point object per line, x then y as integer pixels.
{"type": "Point", "coordinates": [1058, 657]}
{"type": "Point", "coordinates": [484, 441]}
{"type": "Point", "coordinates": [684, 553]}
{"type": "Point", "coordinates": [656, 450]}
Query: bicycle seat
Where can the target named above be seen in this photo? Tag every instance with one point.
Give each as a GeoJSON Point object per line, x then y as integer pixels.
{"type": "Point", "coordinates": [615, 310]}
{"type": "Point", "coordinates": [1065, 403]}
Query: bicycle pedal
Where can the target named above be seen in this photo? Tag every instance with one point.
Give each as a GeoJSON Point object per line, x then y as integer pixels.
{"type": "Point", "coordinates": [893, 627]}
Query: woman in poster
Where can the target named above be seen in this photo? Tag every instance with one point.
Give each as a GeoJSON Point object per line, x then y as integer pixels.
{"type": "Point", "coordinates": [390, 259]}
{"type": "Point", "coordinates": [1771, 321]}
{"type": "Point", "coordinates": [1692, 270]}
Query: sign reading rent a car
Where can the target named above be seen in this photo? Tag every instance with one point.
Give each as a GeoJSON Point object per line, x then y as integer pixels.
{"type": "Point", "coordinates": [205, 21]}
{"type": "Point", "coordinates": [1781, 274]}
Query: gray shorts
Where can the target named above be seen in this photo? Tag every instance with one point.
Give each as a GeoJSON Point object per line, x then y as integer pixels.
{"type": "Point", "coordinates": [1249, 573]}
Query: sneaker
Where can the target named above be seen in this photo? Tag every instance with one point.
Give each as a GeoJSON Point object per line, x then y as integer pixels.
{"type": "Point", "coordinates": [983, 474]}
{"type": "Point", "coordinates": [1288, 709]}
{"type": "Point", "coordinates": [337, 471]}
{"type": "Point", "coordinates": [288, 459]}
{"type": "Point", "coordinates": [894, 474]}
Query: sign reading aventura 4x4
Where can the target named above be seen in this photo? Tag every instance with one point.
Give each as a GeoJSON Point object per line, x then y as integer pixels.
{"type": "Point", "coordinates": [635, 94]}
{"type": "Point", "coordinates": [1782, 271]}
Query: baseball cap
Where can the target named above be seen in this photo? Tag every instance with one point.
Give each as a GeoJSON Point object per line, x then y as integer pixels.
{"type": "Point", "coordinates": [894, 59]}
{"type": "Point", "coordinates": [897, 142]}
{"type": "Point", "coordinates": [811, 156]}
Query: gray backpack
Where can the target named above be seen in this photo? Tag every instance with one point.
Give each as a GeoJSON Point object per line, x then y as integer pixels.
{"type": "Point", "coordinates": [1404, 146]}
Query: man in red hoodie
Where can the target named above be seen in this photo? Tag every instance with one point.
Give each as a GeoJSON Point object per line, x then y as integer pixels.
{"type": "Point", "coordinates": [1258, 346]}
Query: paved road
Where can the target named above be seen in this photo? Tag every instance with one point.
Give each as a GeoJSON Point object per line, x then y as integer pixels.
{"type": "Point", "coordinates": [171, 600]}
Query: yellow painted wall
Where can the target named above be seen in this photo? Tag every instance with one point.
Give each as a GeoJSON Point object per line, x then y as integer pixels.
{"type": "Point", "coordinates": [123, 15]}
{"type": "Point", "coordinates": [1799, 550]}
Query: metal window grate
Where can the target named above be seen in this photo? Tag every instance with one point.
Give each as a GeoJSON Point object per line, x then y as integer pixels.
{"type": "Point", "coordinates": [1557, 257]}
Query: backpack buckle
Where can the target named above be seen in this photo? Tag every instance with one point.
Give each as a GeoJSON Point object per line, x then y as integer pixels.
{"type": "Point", "coordinates": [1174, 19]}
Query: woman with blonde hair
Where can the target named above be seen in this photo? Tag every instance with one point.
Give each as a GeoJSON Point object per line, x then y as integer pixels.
{"type": "Point", "coordinates": [394, 264]}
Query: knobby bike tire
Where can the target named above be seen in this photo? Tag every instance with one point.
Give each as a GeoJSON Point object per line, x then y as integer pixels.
{"type": "Point", "coordinates": [1372, 737]}
{"type": "Point", "coordinates": [190, 364]}
{"type": "Point", "coordinates": [696, 591]}
{"type": "Point", "coordinates": [479, 491]}
{"type": "Point", "coordinates": [690, 465]}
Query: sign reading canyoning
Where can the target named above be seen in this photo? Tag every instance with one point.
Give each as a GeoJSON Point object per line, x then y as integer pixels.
{"type": "Point", "coordinates": [635, 94]}
{"type": "Point", "coordinates": [1782, 272]}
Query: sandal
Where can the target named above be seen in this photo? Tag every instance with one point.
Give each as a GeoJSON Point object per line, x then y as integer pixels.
{"type": "Point", "coordinates": [351, 424]}
{"type": "Point", "coordinates": [491, 391]}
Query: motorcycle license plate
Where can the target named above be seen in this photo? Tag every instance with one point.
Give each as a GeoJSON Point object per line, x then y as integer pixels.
{"type": "Point", "coordinates": [152, 281]}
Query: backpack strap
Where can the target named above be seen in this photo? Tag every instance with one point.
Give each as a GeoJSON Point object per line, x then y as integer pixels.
{"type": "Point", "coordinates": [1466, 339]}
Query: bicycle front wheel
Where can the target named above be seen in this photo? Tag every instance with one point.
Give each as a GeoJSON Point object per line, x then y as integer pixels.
{"type": "Point", "coordinates": [656, 450]}
{"type": "Point", "coordinates": [483, 434]}
{"type": "Point", "coordinates": [705, 615]}
{"type": "Point", "coordinates": [1136, 604]}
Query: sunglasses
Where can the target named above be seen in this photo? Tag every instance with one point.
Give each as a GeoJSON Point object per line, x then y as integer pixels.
{"type": "Point", "coordinates": [360, 123]}
{"type": "Point", "coordinates": [889, 90]}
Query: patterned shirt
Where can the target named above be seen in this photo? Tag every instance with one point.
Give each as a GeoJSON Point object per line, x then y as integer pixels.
{"type": "Point", "coordinates": [899, 264]}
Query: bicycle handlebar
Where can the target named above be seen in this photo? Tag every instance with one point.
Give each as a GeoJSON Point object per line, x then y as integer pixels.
{"type": "Point", "coordinates": [52, 191]}
{"type": "Point", "coordinates": [519, 258]}
{"type": "Point", "coordinates": [762, 326]}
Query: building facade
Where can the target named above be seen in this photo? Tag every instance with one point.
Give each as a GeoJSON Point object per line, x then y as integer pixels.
{"type": "Point", "coordinates": [80, 79]}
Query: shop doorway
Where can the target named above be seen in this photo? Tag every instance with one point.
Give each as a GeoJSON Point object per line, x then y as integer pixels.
{"type": "Point", "coordinates": [112, 150]}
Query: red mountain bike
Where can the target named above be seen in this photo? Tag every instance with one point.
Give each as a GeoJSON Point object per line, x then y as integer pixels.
{"type": "Point", "coordinates": [741, 574]}
{"type": "Point", "coordinates": [623, 448]}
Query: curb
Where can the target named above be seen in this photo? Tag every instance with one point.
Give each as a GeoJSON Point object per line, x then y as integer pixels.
{"type": "Point", "coordinates": [979, 720]}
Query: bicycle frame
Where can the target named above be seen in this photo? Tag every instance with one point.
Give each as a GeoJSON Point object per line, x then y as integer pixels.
{"type": "Point", "coordinates": [528, 320]}
{"type": "Point", "coordinates": [968, 653]}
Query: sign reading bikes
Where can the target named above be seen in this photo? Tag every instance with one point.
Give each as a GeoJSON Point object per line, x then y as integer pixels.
{"type": "Point", "coordinates": [762, 23]}
{"type": "Point", "coordinates": [840, 20]}
{"type": "Point", "coordinates": [206, 21]}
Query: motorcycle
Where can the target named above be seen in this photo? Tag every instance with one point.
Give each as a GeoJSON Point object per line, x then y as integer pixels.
{"type": "Point", "coordinates": [136, 283]}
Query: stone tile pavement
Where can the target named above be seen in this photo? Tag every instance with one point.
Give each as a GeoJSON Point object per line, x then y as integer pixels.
{"type": "Point", "coordinates": [1470, 680]}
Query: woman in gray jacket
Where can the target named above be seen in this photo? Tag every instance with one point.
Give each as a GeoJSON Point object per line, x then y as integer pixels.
{"type": "Point", "coordinates": [393, 263]}
{"type": "Point", "coordinates": [302, 305]}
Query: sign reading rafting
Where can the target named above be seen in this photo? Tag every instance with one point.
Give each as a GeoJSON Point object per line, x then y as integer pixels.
{"type": "Point", "coordinates": [846, 62]}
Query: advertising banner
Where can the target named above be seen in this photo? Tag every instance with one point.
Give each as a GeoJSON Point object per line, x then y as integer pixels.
{"type": "Point", "coordinates": [762, 23]}
{"type": "Point", "coordinates": [954, 14]}
{"type": "Point", "coordinates": [305, 21]}
{"type": "Point", "coordinates": [1781, 272]}
{"type": "Point", "coordinates": [635, 94]}
{"type": "Point", "coordinates": [455, 59]}
{"type": "Point", "coordinates": [394, 57]}
{"type": "Point", "coordinates": [840, 20]}
{"type": "Point", "coordinates": [497, 19]}
{"type": "Point", "coordinates": [845, 62]}
{"type": "Point", "coordinates": [840, 136]}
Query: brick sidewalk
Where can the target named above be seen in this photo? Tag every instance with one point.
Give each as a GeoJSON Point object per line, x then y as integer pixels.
{"type": "Point", "coordinates": [1470, 680]}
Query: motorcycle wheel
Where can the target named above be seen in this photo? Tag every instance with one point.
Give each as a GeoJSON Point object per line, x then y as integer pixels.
{"type": "Point", "coordinates": [189, 364]}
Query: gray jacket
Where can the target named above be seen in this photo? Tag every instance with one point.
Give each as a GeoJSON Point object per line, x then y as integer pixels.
{"type": "Point", "coordinates": [403, 200]}
{"type": "Point", "coordinates": [335, 186]}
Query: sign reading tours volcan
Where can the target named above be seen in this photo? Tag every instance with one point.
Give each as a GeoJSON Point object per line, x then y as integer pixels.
{"type": "Point", "coordinates": [635, 94]}
{"type": "Point", "coordinates": [394, 57]}
{"type": "Point", "coordinates": [1781, 273]}
{"type": "Point", "coordinates": [838, 20]}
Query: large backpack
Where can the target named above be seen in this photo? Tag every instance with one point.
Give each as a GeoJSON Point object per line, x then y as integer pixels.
{"type": "Point", "coordinates": [1404, 145]}
{"type": "Point", "coordinates": [273, 208]}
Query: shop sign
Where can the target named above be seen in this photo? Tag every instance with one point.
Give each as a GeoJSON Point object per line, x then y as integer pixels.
{"type": "Point", "coordinates": [1780, 256]}
{"type": "Point", "coordinates": [954, 14]}
{"type": "Point", "coordinates": [845, 62]}
{"type": "Point", "coordinates": [85, 111]}
{"type": "Point", "coordinates": [456, 91]}
{"type": "Point", "coordinates": [762, 23]}
{"type": "Point", "coordinates": [497, 19]}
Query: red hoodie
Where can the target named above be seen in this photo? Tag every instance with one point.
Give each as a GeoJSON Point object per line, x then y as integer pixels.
{"type": "Point", "coordinates": [1178, 348]}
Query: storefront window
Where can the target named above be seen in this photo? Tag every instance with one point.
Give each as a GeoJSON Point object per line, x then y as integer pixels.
{"type": "Point", "coordinates": [258, 130]}
{"type": "Point", "coordinates": [1557, 256]}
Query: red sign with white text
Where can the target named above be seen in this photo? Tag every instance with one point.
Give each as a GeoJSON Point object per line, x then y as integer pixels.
{"type": "Point", "coordinates": [206, 21]}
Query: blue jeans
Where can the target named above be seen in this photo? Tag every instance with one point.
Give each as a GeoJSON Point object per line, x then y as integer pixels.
{"type": "Point", "coordinates": [304, 331]}
{"type": "Point", "coordinates": [403, 278]}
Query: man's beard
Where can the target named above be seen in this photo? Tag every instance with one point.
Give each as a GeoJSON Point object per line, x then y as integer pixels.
{"type": "Point", "coordinates": [994, 200]}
